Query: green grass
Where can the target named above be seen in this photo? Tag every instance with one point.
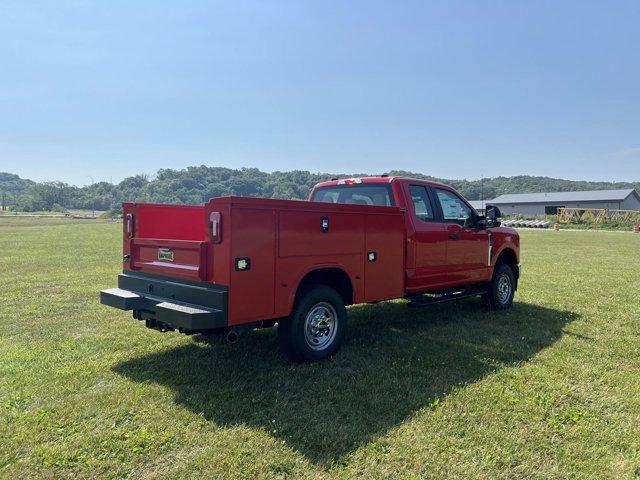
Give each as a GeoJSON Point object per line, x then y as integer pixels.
{"type": "Point", "coordinates": [549, 389]}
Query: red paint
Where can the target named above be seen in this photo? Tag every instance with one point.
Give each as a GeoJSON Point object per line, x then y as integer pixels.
{"type": "Point", "coordinates": [189, 257]}
{"type": "Point", "coordinates": [285, 241]}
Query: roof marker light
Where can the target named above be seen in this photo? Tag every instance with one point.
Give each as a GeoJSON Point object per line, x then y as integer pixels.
{"type": "Point", "coordinates": [349, 181]}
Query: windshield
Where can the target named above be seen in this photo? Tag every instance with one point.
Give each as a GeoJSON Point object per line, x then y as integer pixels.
{"type": "Point", "coordinates": [355, 195]}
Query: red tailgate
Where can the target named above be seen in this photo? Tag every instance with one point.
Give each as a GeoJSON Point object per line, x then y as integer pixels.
{"type": "Point", "coordinates": [166, 240]}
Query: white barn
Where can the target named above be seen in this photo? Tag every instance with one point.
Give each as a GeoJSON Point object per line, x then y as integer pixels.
{"type": "Point", "coordinates": [531, 204]}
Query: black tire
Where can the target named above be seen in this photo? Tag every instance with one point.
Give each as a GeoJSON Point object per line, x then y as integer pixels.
{"type": "Point", "coordinates": [502, 288]}
{"type": "Point", "coordinates": [316, 327]}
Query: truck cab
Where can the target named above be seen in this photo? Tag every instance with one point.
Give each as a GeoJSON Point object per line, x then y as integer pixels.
{"type": "Point", "coordinates": [238, 263]}
{"type": "Point", "coordinates": [447, 242]}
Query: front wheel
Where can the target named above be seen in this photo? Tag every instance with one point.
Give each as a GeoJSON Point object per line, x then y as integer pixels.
{"type": "Point", "coordinates": [501, 288]}
{"type": "Point", "coordinates": [316, 327]}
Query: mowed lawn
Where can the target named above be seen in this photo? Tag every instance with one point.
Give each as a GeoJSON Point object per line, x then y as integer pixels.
{"type": "Point", "coordinates": [549, 389]}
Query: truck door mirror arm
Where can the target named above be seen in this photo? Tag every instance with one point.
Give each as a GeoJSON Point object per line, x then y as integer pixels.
{"type": "Point", "coordinates": [480, 222]}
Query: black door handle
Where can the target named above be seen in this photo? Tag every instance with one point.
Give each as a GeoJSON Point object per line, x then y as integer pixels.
{"type": "Point", "coordinates": [454, 236]}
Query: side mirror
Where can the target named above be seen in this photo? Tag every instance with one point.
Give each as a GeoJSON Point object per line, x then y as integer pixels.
{"type": "Point", "coordinates": [493, 214]}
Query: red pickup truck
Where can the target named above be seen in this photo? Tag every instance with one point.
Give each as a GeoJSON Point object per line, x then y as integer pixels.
{"type": "Point", "coordinates": [238, 263]}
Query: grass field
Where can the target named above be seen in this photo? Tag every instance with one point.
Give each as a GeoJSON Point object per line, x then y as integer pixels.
{"type": "Point", "coordinates": [549, 389]}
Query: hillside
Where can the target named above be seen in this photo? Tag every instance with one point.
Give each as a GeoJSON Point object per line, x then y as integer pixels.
{"type": "Point", "coordinates": [13, 186]}
{"type": "Point", "coordinates": [199, 183]}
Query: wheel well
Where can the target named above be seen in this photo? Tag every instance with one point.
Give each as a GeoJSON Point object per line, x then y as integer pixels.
{"type": "Point", "coordinates": [331, 277]}
{"type": "Point", "coordinates": [508, 257]}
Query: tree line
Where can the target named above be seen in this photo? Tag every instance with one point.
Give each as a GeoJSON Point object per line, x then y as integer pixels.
{"type": "Point", "coordinates": [198, 184]}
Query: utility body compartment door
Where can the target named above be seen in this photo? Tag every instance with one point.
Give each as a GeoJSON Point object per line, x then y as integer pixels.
{"type": "Point", "coordinates": [384, 257]}
{"type": "Point", "coordinates": [302, 233]}
{"type": "Point", "coordinates": [253, 241]}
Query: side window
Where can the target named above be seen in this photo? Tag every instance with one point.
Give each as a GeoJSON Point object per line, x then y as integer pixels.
{"type": "Point", "coordinates": [421, 202]}
{"type": "Point", "coordinates": [453, 208]}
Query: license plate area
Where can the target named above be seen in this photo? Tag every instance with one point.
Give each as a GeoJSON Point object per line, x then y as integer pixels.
{"type": "Point", "coordinates": [166, 255]}
{"type": "Point", "coordinates": [179, 258]}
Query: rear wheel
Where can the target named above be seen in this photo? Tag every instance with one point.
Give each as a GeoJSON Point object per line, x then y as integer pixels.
{"type": "Point", "coordinates": [316, 327]}
{"type": "Point", "coordinates": [501, 288]}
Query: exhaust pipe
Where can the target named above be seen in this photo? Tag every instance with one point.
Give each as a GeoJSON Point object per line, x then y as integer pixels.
{"type": "Point", "coordinates": [234, 333]}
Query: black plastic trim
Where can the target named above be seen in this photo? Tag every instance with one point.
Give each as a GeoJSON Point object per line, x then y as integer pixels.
{"type": "Point", "coordinates": [153, 276]}
{"type": "Point", "coordinates": [193, 306]}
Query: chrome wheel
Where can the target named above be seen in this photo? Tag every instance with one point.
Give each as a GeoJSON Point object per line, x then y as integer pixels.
{"type": "Point", "coordinates": [320, 326]}
{"type": "Point", "coordinates": [504, 288]}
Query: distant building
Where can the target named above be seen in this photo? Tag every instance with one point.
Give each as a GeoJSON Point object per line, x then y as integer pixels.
{"type": "Point", "coordinates": [531, 204]}
{"type": "Point", "coordinates": [479, 205]}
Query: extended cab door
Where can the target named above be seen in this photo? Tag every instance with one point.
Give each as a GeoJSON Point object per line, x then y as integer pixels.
{"type": "Point", "coordinates": [426, 241]}
{"type": "Point", "coordinates": [467, 246]}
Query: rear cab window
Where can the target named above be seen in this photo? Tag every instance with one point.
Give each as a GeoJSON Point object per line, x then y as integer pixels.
{"type": "Point", "coordinates": [360, 194]}
{"type": "Point", "coordinates": [422, 207]}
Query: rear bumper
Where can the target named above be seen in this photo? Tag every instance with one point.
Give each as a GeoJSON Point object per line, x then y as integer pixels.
{"type": "Point", "coordinates": [169, 304]}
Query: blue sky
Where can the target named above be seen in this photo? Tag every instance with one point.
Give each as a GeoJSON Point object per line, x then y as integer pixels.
{"type": "Point", "coordinates": [453, 89]}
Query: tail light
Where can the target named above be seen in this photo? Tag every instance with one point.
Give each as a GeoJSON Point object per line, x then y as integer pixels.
{"type": "Point", "coordinates": [129, 224]}
{"type": "Point", "coordinates": [215, 226]}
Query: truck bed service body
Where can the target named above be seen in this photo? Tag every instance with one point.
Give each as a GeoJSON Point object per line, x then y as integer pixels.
{"type": "Point", "coordinates": [237, 263]}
